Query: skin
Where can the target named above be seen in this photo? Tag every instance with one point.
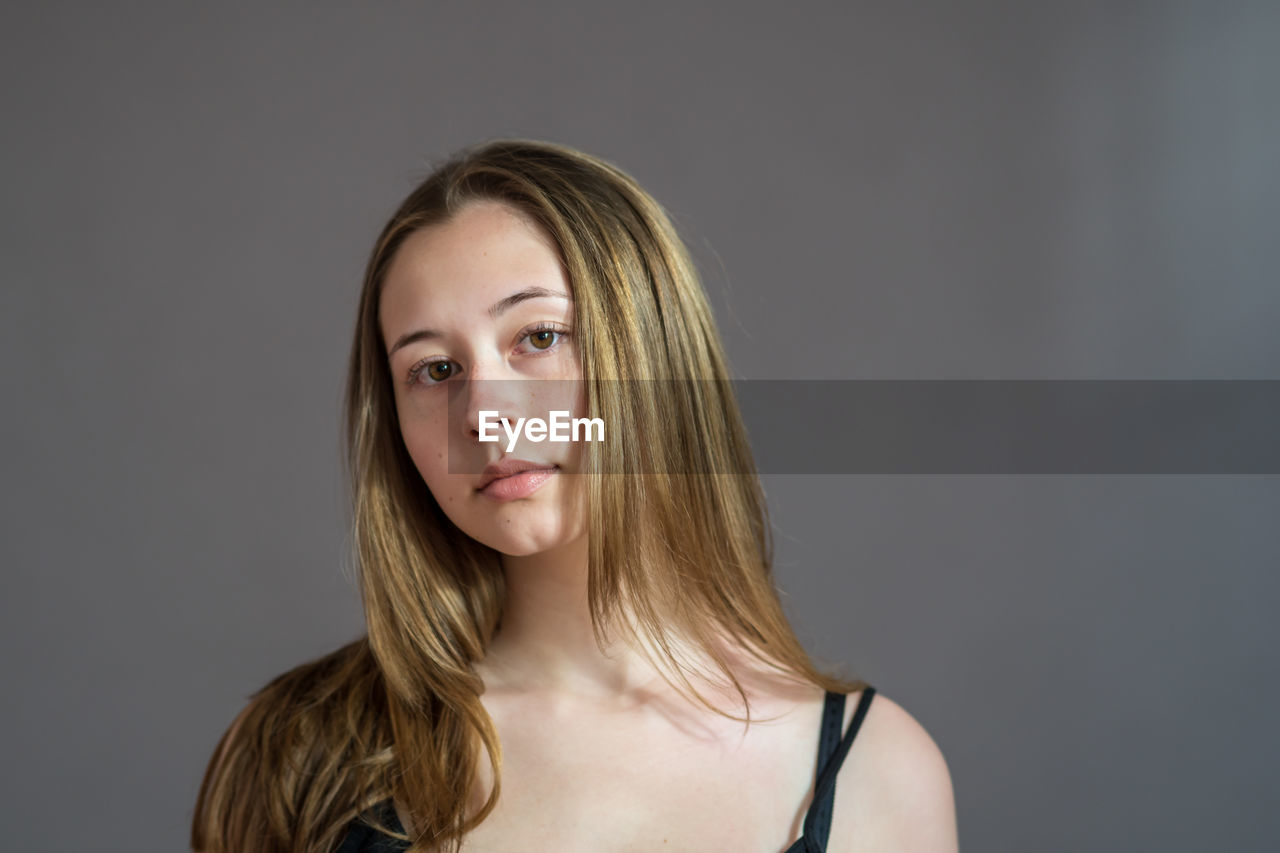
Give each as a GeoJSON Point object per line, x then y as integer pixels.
{"type": "Point", "coordinates": [599, 753]}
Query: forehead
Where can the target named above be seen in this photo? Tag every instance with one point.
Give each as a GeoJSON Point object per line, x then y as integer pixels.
{"type": "Point", "coordinates": [483, 253]}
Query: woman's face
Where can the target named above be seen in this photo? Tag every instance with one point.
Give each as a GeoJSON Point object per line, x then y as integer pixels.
{"type": "Point", "coordinates": [474, 312]}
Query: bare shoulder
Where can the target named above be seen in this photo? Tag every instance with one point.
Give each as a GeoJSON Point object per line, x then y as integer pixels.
{"type": "Point", "coordinates": [893, 792]}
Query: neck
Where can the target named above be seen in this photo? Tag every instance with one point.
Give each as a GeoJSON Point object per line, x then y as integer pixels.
{"type": "Point", "coordinates": [546, 640]}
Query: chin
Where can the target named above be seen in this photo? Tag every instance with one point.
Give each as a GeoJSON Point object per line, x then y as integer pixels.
{"type": "Point", "coordinates": [548, 520]}
{"type": "Point", "coordinates": [519, 531]}
{"type": "Point", "coordinates": [512, 543]}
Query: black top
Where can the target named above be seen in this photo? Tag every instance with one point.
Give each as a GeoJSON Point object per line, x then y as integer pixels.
{"type": "Point", "coordinates": [832, 749]}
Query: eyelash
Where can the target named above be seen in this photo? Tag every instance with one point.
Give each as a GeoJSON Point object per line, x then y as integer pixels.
{"type": "Point", "coordinates": [561, 334]}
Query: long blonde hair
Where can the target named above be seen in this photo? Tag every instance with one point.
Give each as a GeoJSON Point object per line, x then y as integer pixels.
{"type": "Point", "coordinates": [672, 554]}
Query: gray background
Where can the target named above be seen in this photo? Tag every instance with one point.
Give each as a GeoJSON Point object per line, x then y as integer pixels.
{"type": "Point", "coordinates": [872, 190]}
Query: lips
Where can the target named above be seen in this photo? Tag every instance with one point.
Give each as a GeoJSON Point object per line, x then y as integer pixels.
{"type": "Point", "coordinates": [509, 468]}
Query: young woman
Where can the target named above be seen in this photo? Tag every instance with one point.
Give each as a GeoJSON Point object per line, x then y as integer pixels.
{"type": "Point", "coordinates": [571, 646]}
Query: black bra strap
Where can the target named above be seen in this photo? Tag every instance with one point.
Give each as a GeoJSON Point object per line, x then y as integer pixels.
{"type": "Point", "coordinates": [361, 837]}
{"type": "Point", "coordinates": [817, 822]}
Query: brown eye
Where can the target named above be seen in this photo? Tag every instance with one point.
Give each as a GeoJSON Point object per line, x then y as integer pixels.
{"type": "Point", "coordinates": [439, 370]}
{"type": "Point", "coordinates": [542, 339]}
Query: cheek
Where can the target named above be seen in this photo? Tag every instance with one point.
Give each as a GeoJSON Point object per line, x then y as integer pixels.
{"type": "Point", "coordinates": [431, 463]}
{"type": "Point", "coordinates": [424, 440]}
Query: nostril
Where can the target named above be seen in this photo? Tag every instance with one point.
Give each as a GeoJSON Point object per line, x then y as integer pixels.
{"type": "Point", "coordinates": [503, 420]}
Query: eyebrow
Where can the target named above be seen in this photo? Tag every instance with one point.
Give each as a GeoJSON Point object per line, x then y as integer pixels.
{"type": "Point", "coordinates": [495, 311]}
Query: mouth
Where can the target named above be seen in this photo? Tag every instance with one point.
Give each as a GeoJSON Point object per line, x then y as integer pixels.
{"type": "Point", "coordinates": [517, 485]}
{"type": "Point", "coordinates": [514, 478]}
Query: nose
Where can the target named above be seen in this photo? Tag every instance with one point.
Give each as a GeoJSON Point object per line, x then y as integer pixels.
{"type": "Point", "coordinates": [490, 397]}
